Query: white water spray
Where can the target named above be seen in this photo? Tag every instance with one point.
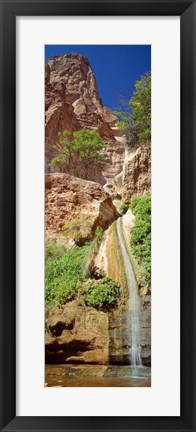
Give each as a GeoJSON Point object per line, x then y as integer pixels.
{"type": "Point", "coordinates": [134, 310]}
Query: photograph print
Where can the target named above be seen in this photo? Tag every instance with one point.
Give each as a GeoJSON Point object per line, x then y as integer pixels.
{"type": "Point", "coordinates": [97, 215]}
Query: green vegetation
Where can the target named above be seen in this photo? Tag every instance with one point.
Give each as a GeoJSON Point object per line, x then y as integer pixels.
{"type": "Point", "coordinates": [92, 252]}
{"type": "Point", "coordinates": [140, 240]}
{"type": "Point", "coordinates": [64, 275]}
{"type": "Point", "coordinates": [99, 232]}
{"type": "Point", "coordinates": [79, 152]}
{"type": "Point", "coordinates": [80, 229]}
{"type": "Point", "coordinates": [102, 295]}
{"type": "Point", "coordinates": [54, 249]}
{"type": "Point", "coordinates": [123, 208]}
{"type": "Point", "coordinates": [141, 109]}
{"type": "Point", "coordinates": [136, 122]}
{"type": "Point", "coordinates": [120, 207]}
{"type": "Point", "coordinates": [67, 277]}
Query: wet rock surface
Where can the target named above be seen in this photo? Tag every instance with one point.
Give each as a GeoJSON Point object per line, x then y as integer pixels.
{"type": "Point", "coordinates": [119, 336]}
{"type": "Point", "coordinates": [80, 334]}
{"type": "Point", "coordinates": [76, 334]}
{"type": "Point", "coordinates": [146, 330]}
{"type": "Point", "coordinates": [96, 376]}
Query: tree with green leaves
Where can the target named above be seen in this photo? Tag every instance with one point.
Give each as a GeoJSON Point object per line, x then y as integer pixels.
{"type": "Point", "coordinates": [136, 122]}
{"type": "Point", "coordinates": [79, 152]}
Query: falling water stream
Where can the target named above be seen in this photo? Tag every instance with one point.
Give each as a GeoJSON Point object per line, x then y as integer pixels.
{"type": "Point", "coordinates": [87, 375]}
{"type": "Point", "coordinates": [133, 318]}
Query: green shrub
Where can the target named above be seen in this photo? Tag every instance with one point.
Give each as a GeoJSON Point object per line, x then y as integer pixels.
{"type": "Point", "coordinates": [103, 294]}
{"type": "Point", "coordinates": [54, 249]}
{"type": "Point", "coordinates": [140, 240]}
{"type": "Point", "coordinates": [141, 205]}
{"type": "Point", "coordinates": [121, 125]}
{"type": "Point", "coordinates": [63, 275]}
{"type": "Point", "coordinates": [66, 277]}
{"type": "Point", "coordinates": [79, 229]}
{"type": "Point", "coordinates": [123, 208]}
{"type": "Point", "coordinates": [99, 232]}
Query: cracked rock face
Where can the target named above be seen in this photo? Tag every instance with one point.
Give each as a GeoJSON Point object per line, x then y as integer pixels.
{"type": "Point", "coordinates": [72, 198]}
{"type": "Point", "coordinates": [135, 178]}
{"type": "Point", "coordinates": [136, 174]}
{"type": "Point", "coordinates": [72, 102]}
{"type": "Point", "coordinates": [76, 333]}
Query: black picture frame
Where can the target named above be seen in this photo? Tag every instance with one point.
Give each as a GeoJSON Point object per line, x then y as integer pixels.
{"type": "Point", "coordinates": [9, 11]}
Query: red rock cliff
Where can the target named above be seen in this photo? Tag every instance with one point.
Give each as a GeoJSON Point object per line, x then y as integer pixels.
{"type": "Point", "coordinates": [72, 102]}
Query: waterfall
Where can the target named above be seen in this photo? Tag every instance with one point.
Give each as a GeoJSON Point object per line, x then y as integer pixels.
{"type": "Point", "coordinates": [134, 309]}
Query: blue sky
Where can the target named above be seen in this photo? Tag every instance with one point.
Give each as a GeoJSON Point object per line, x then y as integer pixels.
{"type": "Point", "coordinates": [116, 67]}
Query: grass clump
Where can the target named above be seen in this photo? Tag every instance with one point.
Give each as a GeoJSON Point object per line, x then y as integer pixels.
{"type": "Point", "coordinates": [140, 240]}
{"type": "Point", "coordinates": [54, 249]}
{"type": "Point", "coordinates": [102, 295]}
{"type": "Point", "coordinates": [79, 229]}
{"type": "Point", "coordinates": [93, 251]}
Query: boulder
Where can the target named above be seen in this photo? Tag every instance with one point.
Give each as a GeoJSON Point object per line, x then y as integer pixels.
{"type": "Point", "coordinates": [69, 198]}
{"type": "Point", "coordinates": [77, 334]}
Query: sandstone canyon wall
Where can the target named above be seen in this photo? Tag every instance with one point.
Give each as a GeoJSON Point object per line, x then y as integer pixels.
{"type": "Point", "coordinates": [76, 333]}
{"type": "Point", "coordinates": [72, 102]}
{"type": "Point", "coordinates": [68, 198]}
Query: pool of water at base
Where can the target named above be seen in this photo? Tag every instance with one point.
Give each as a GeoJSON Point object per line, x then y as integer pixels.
{"type": "Point", "coordinates": [97, 376]}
